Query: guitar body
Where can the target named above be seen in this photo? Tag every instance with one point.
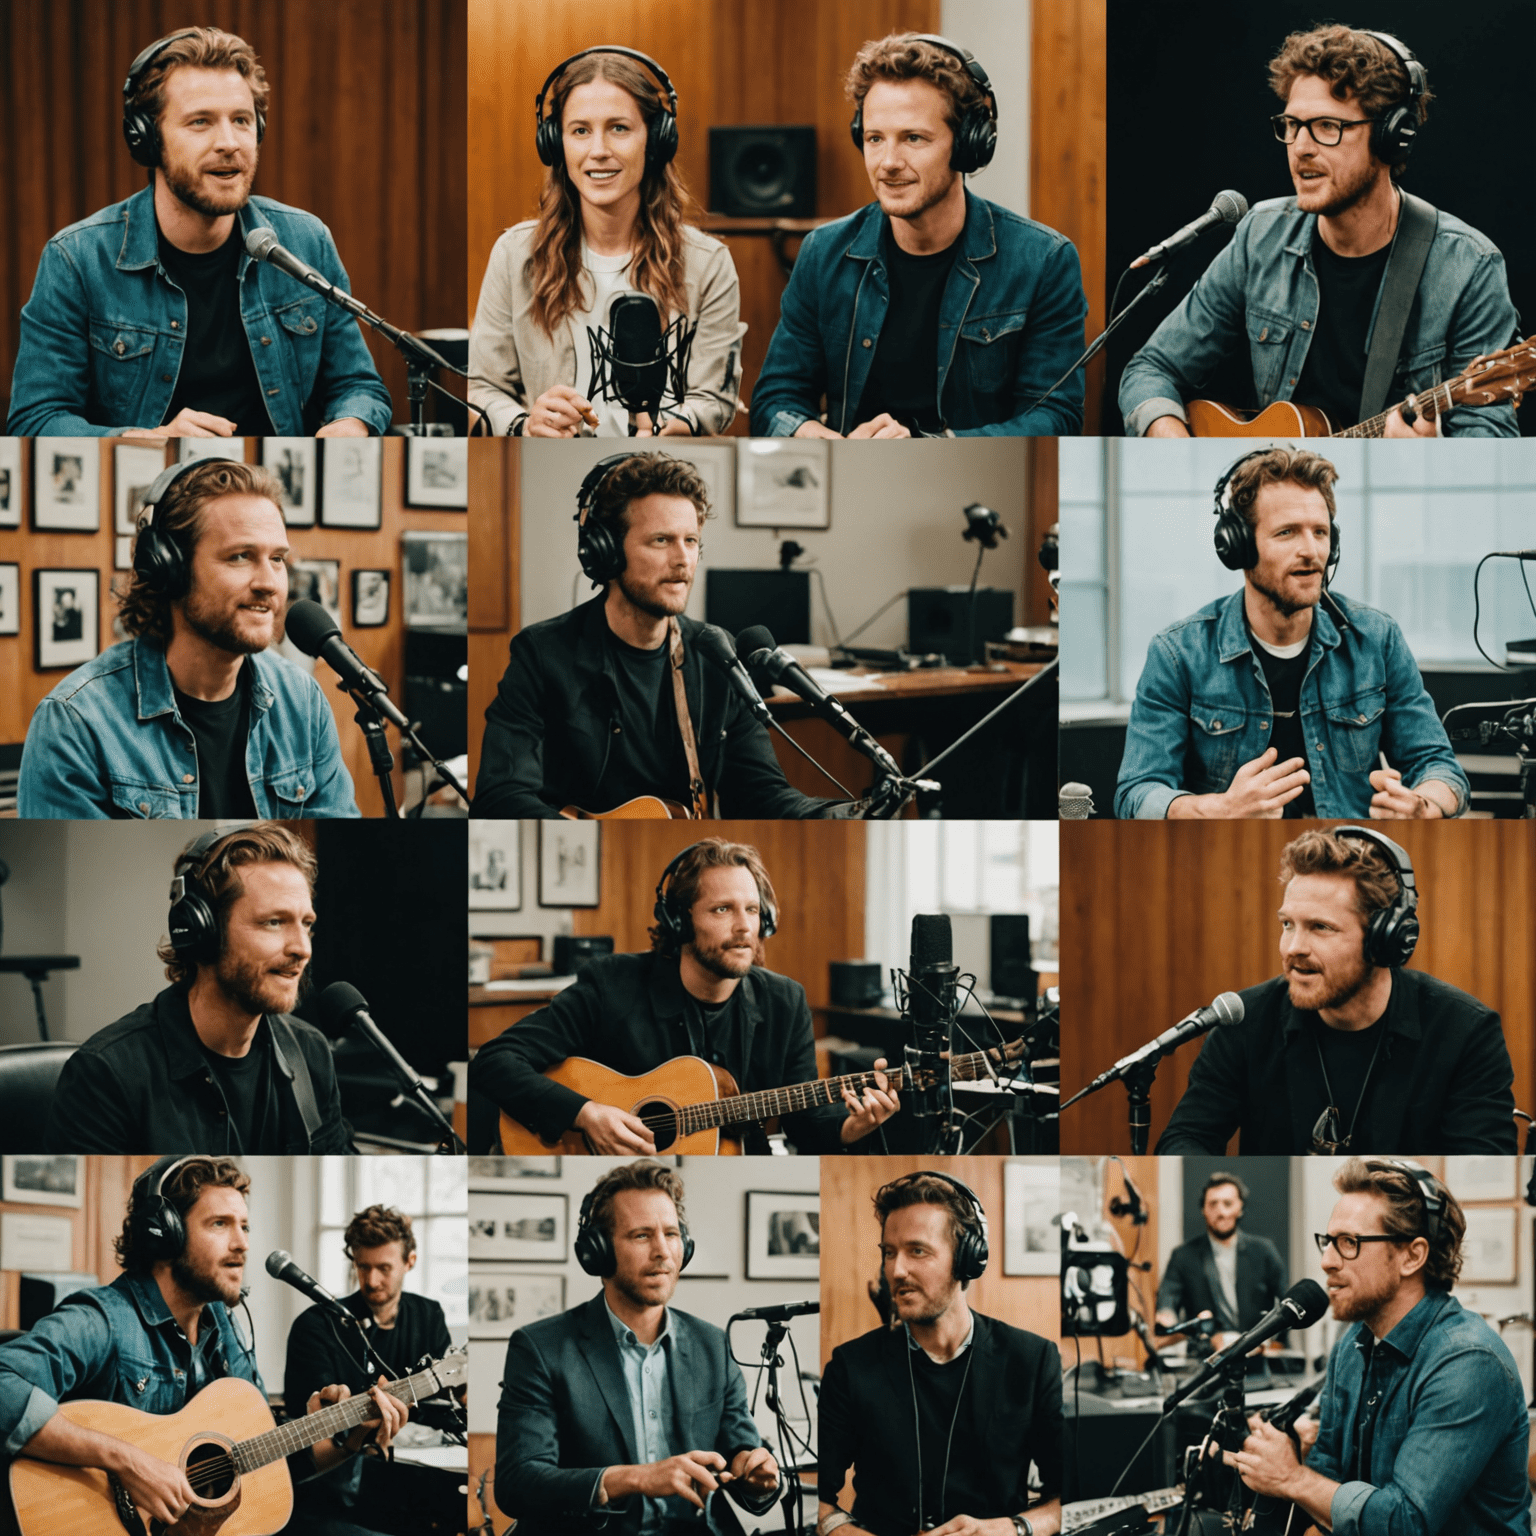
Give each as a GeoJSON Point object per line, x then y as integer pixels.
{"type": "Point", "coordinates": [1284, 418]}
{"type": "Point", "coordinates": [52, 1500]}
{"type": "Point", "coordinates": [641, 808]}
{"type": "Point", "coordinates": [655, 1096]}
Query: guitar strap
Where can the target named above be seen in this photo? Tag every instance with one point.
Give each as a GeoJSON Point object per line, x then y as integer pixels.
{"type": "Point", "coordinates": [698, 800]}
{"type": "Point", "coordinates": [285, 1047]}
{"type": "Point", "coordinates": [1416, 221]}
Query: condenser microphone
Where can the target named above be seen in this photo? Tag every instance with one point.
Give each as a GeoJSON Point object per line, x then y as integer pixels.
{"type": "Point", "coordinates": [261, 244]}
{"type": "Point", "coordinates": [1074, 802]}
{"type": "Point", "coordinates": [1300, 1307]}
{"type": "Point", "coordinates": [1227, 208]}
{"type": "Point", "coordinates": [639, 354]}
{"type": "Point", "coordinates": [930, 1009]}
{"type": "Point", "coordinates": [1227, 1009]}
{"type": "Point", "coordinates": [317, 634]}
{"type": "Point", "coordinates": [719, 650]}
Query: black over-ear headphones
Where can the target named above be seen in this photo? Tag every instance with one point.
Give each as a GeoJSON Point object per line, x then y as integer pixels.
{"type": "Point", "coordinates": [1237, 546]}
{"type": "Point", "coordinates": [1395, 130]}
{"type": "Point", "coordinates": [193, 923]}
{"type": "Point", "coordinates": [1393, 931]}
{"type": "Point", "coordinates": [160, 559]}
{"type": "Point", "coordinates": [594, 1246]}
{"type": "Point", "coordinates": [677, 925]}
{"type": "Point", "coordinates": [971, 1249]}
{"type": "Point", "coordinates": [975, 133]}
{"type": "Point", "coordinates": [1431, 1191]}
{"type": "Point", "coordinates": [140, 131]}
{"type": "Point", "coordinates": [601, 555]}
{"type": "Point", "coordinates": [154, 1223]}
{"type": "Point", "coordinates": [660, 126]}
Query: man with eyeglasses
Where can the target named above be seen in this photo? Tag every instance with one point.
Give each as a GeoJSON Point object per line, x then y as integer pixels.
{"type": "Point", "coordinates": [1302, 279]}
{"type": "Point", "coordinates": [1423, 1419]}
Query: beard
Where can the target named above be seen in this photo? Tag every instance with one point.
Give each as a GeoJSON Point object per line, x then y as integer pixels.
{"type": "Point", "coordinates": [217, 627]}
{"type": "Point", "coordinates": [933, 197]}
{"type": "Point", "coordinates": [929, 1308]}
{"type": "Point", "coordinates": [1342, 988]}
{"type": "Point", "coordinates": [652, 599]}
{"type": "Point", "coordinates": [1220, 1229]}
{"type": "Point", "coordinates": [181, 182]}
{"type": "Point", "coordinates": [247, 985]}
{"type": "Point", "coordinates": [1358, 1303]}
{"type": "Point", "coordinates": [1288, 606]}
{"type": "Point", "coordinates": [722, 961]}
{"type": "Point", "coordinates": [633, 1293]}
{"type": "Point", "coordinates": [1348, 193]}
{"type": "Point", "coordinates": [212, 1284]}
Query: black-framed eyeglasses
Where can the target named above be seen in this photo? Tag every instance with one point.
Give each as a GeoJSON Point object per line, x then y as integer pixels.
{"type": "Point", "coordinates": [1326, 131]}
{"type": "Point", "coordinates": [1348, 1243]}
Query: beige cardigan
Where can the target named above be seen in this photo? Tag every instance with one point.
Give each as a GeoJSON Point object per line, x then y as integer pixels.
{"type": "Point", "coordinates": [507, 347]}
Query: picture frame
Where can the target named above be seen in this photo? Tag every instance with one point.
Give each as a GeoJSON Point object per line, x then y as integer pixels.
{"type": "Point", "coordinates": [1488, 1250]}
{"type": "Point", "coordinates": [10, 482]}
{"type": "Point", "coordinates": [783, 483]}
{"type": "Point", "coordinates": [66, 484]}
{"type": "Point", "coordinates": [66, 617]}
{"type": "Point", "coordinates": [370, 598]}
{"type": "Point", "coordinates": [436, 566]}
{"type": "Point", "coordinates": [316, 581]}
{"type": "Point", "coordinates": [437, 473]}
{"type": "Point", "coordinates": [492, 1173]}
{"type": "Point", "coordinates": [296, 463]}
{"type": "Point", "coordinates": [352, 482]}
{"type": "Point", "coordinates": [495, 866]}
{"type": "Point", "coordinates": [1031, 1197]}
{"type": "Point", "coordinates": [570, 863]}
{"type": "Point", "coordinates": [44, 1179]}
{"type": "Point", "coordinates": [1472, 1178]}
{"type": "Point", "coordinates": [783, 1234]}
{"type": "Point", "coordinates": [122, 553]}
{"type": "Point", "coordinates": [10, 598]}
{"type": "Point", "coordinates": [503, 1299]}
{"type": "Point", "coordinates": [519, 1227]}
{"type": "Point", "coordinates": [135, 468]}
{"type": "Point", "coordinates": [190, 449]}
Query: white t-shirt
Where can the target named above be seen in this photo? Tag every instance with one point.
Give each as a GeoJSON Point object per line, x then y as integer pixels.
{"type": "Point", "coordinates": [607, 277]}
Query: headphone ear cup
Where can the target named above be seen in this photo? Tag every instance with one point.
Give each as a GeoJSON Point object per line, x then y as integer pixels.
{"type": "Point", "coordinates": [687, 1247]}
{"type": "Point", "coordinates": [856, 128]}
{"type": "Point", "coordinates": [194, 929]}
{"type": "Point", "coordinates": [601, 559]}
{"type": "Point", "coordinates": [661, 139]}
{"type": "Point", "coordinates": [159, 562]}
{"type": "Point", "coordinates": [975, 142]}
{"type": "Point", "coordinates": [594, 1253]}
{"type": "Point", "coordinates": [767, 923]}
{"type": "Point", "coordinates": [547, 141]}
{"type": "Point", "coordinates": [141, 138]}
{"type": "Point", "coordinates": [1232, 538]}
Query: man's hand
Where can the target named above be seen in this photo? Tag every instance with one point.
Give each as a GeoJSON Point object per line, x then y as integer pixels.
{"type": "Point", "coordinates": [1394, 801]}
{"type": "Point", "coordinates": [693, 1476]}
{"type": "Point", "coordinates": [883, 425]}
{"type": "Point", "coordinates": [968, 1525]}
{"type": "Point", "coordinates": [392, 1416]}
{"type": "Point", "coordinates": [756, 1468]}
{"type": "Point", "coordinates": [1398, 425]}
{"type": "Point", "coordinates": [1262, 788]}
{"type": "Point", "coordinates": [865, 1113]}
{"type": "Point", "coordinates": [344, 426]}
{"type": "Point", "coordinates": [159, 1490]}
{"type": "Point", "coordinates": [1167, 426]}
{"type": "Point", "coordinates": [813, 428]}
{"type": "Point", "coordinates": [614, 1132]}
{"type": "Point", "coordinates": [187, 423]}
{"type": "Point", "coordinates": [1267, 1462]}
{"type": "Point", "coordinates": [559, 412]}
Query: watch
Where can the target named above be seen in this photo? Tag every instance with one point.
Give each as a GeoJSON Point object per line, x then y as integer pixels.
{"type": "Point", "coordinates": [1022, 1527]}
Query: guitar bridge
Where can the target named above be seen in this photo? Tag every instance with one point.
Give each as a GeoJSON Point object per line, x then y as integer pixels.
{"type": "Point", "coordinates": [127, 1510]}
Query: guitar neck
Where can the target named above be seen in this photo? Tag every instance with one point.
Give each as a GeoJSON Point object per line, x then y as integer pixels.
{"type": "Point", "coordinates": [1429, 406]}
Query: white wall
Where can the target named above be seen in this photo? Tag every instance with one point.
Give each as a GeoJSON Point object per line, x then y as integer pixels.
{"type": "Point", "coordinates": [998, 33]}
{"type": "Point", "coordinates": [33, 902]}
{"type": "Point", "coordinates": [283, 1215]}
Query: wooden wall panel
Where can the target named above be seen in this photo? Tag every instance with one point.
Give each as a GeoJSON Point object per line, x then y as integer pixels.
{"type": "Point", "coordinates": [366, 130]}
{"type": "Point", "coordinates": [1159, 917]}
{"type": "Point", "coordinates": [495, 495]}
{"type": "Point", "coordinates": [1140, 1244]}
{"type": "Point", "coordinates": [1042, 509]}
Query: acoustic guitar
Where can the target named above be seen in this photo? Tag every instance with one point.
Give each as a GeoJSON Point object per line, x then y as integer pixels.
{"type": "Point", "coordinates": [225, 1440]}
{"type": "Point", "coordinates": [690, 1105]}
{"type": "Point", "coordinates": [1486, 380]}
{"type": "Point", "coordinates": [641, 808]}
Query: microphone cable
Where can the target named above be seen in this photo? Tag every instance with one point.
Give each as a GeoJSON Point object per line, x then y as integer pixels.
{"type": "Point", "coordinates": [1477, 606]}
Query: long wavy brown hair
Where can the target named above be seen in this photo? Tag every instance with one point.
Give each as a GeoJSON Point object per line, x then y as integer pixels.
{"type": "Point", "coordinates": [555, 266]}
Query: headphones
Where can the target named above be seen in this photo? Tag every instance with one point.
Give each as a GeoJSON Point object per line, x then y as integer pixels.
{"type": "Point", "coordinates": [594, 1246]}
{"type": "Point", "coordinates": [601, 555]}
{"type": "Point", "coordinates": [1237, 546]}
{"type": "Point", "coordinates": [194, 927]}
{"type": "Point", "coordinates": [140, 131]}
{"type": "Point", "coordinates": [159, 559]}
{"type": "Point", "coordinates": [1393, 931]}
{"type": "Point", "coordinates": [971, 1248]}
{"type": "Point", "coordinates": [677, 925]}
{"type": "Point", "coordinates": [1431, 1191]}
{"type": "Point", "coordinates": [660, 126]}
{"type": "Point", "coordinates": [154, 1223]}
{"type": "Point", "coordinates": [1393, 133]}
{"type": "Point", "coordinates": [976, 132]}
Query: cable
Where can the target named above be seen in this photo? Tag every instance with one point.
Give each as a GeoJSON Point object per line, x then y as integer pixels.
{"type": "Point", "coordinates": [826, 605]}
{"type": "Point", "coordinates": [891, 603]}
{"type": "Point", "coordinates": [811, 760]}
{"type": "Point", "coordinates": [1477, 605]}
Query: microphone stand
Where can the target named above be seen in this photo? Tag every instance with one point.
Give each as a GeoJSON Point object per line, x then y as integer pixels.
{"type": "Point", "coordinates": [1208, 1482]}
{"type": "Point", "coordinates": [1157, 283]}
{"type": "Point", "coordinates": [379, 755]}
{"type": "Point", "coordinates": [1138, 1087]}
{"type": "Point", "coordinates": [773, 1363]}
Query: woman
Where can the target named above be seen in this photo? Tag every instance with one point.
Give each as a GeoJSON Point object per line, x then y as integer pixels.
{"type": "Point", "coordinates": [610, 221]}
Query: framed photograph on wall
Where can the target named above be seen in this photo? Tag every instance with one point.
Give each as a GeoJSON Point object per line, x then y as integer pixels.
{"type": "Point", "coordinates": [519, 1228]}
{"type": "Point", "coordinates": [437, 473]}
{"type": "Point", "coordinates": [190, 449]}
{"type": "Point", "coordinates": [499, 1172]}
{"type": "Point", "coordinates": [495, 866]}
{"type": "Point", "coordinates": [10, 599]}
{"type": "Point", "coordinates": [783, 483]}
{"type": "Point", "coordinates": [295, 461]}
{"type": "Point", "coordinates": [316, 581]}
{"type": "Point", "coordinates": [1488, 1252]}
{"type": "Point", "coordinates": [66, 484]}
{"type": "Point", "coordinates": [10, 482]}
{"type": "Point", "coordinates": [134, 468]}
{"type": "Point", "coordinates": [783, 1235]}
{"type": "Point", "coordinates": [352, 482]}
{"type": "Point", "coordinates": [436, 580]}
{"type": "Point", "coordinates": [1482, 1178]}
{"type": "Point", "coordinates": [40, 1180]}
{"type": "Point", "coordinates": [570, 863]}
{"type": "Point", "coordinates": [65, 617]}
{"type": "Point", "coordinates": [503, 1299]}
{"type": "Point", "coordinates": [1031, 1196]}
{"type": "Point", "coordinates": [370, 599]}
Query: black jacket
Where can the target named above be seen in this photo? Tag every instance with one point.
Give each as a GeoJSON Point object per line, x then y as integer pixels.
{"type": "Point", "coordinates": [142, 1085]}
{"type": "Point", "coordinates": [865, 1415]}
{"type": "Point", "coordinates": [552, 729]}
{"type": "Point", "coordinates": [627, 1012]}
{"type": "Point", "coordinates": [1444, 1083]}
{"type": "Point", "coordinates": [1189, 1284]}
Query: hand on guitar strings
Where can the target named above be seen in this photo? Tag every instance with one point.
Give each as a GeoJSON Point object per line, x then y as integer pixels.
{"type": "Point", "coordinates": [392, 1416]}
{"type": "Point", "coordinates": [159, 1490]}
{"type": "Point", "coordinates": [1405, 421]}
{"type": "Point", "coordinates": [876, 1104]}
{"type": "Point", "coordinates": [612, 1132]}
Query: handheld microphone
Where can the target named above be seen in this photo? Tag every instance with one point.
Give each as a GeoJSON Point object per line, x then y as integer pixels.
{"type": "Point", "coordinates": [317, 634]}
{"type": "Point", "coordinates": [1226, 208]}
{"type": "Point", "coordinates": [1227, 1009]}
{"type": "Point", "coordinates": [1074, 802]}
{"type": "Point", "coordinates": [780, 1313]}
{"type": "Point", "coordinates": [1300, 1307]}
{"type": "Point", "coordinates": [1285, 1415]}
{"type": "Point", "coordinates": [1202, 1324]}
{"type": "Point", "coordinates": [719, 650]}
{"type": "Point", "coordinates": [280, 1266]}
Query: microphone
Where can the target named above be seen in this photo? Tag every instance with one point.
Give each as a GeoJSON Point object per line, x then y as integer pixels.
{"type": "Point", "coordinates": [1133, 1205]}
{"type": "Point", "coordinates": [1227, 1009]}
{"type": "Point", "coordinates": [261, 244]}
{"type": "Point", "coordinates": [719, 650]}
{"type": "Point", "coordinates": [1300, 1307]}
{"type": "Point", "coordinates": [1203, 1324]}
{"type": "Point", "coordinates": [1227, 208]}
{"type": "Point", "coordinates": [930, 1006]}
{"type": "Point", "coordinates": [317, 634]}
{"type": "Point", "coordinates": [639, 354]}
{"type": "Point", "coordinates": [280, 1266]}
{"type": "Point", "coordinates": [780, 1313]}
{"type": "Point", "coordinates": [1513, 554]}
{"type": "Point", "coordinates": [1074, 802]}
{"type": "Point", "coordinates": [1285, 1415]}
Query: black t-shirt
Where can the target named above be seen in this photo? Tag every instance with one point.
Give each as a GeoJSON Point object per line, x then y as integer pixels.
{"type": "Point", "coordinates": [1334, 372]}
{"type": "Point", "coordinates": [646, 754]}
{"type": "Point", "coordinates": [961, 1490]}
{"type": "Point", "coordinates": [1284, 675]}
{"type": "Point", "coordinates": [220, 727]}
{"type": "Point", "coordinates": [250, 1091]}
{"type": "Point", "coordinates": [217, 372]}
{"type": "Point", "coordinates": [1347, 1057]}
{"type": "Point", "coordinates": [903, 375]}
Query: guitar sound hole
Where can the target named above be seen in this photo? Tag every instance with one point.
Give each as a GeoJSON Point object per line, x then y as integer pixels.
{"type": "Point", "coordinates": [210, 1470]}
{"type": "Point", "coordinates": [662, 1120]}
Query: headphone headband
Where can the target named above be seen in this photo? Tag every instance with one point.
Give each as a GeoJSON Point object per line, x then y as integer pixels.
{"type": "Point", "coordinates": [1393, 931]}
{"type": "Point", "coordinates": [976, 132]}
{"type": "Point", "coordinates": [1394, 131]}
{"type": "Point", "coordinates": [193, 924]}
{"type": "Point", "coordinates": [661, 127]}
{"type": "Point", "coordinates": [1236, 541]}
{"type": "Point", "coordinates": [153, 1218]}
{"type": "Point", "coordinates": [971, 1251]}
{"type": "Point", "coordinates": [141, 132]}
{"type": "Point", "coordinates": [160, 560]}
{"type": "Point", "coordinates": [1432, 1192]}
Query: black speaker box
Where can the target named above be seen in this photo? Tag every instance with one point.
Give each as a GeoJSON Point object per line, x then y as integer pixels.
{"type": "Point", "coordinates": [574, 950]}
{"type": "Point", "coordinates": [855, 983]}
{"type": "Point", "coordinates": [766, 172]}
{"type": "Point", "coordinates": [1011, 972]}
{"type": "Point", "coordinates": [778, 600]}
{"type": "Point", "coordinates": [941, 619]}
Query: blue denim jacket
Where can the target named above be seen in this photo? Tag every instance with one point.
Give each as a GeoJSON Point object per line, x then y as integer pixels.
{"type": "Point", "coordinates": [1203, 709]}
{"type": "Point", "coordinates": [1010, 324]}
{"type": "Point", "coordinates": [119, 1344]}
{"type": "Point", "coordinates": [1447, 1453]}
{"type": "Point", "coordinates": [109, 741]}
{"type": "Point", "coordinates": [102, 335]}
{"type": "Point", "coordinates": [1262, 290]}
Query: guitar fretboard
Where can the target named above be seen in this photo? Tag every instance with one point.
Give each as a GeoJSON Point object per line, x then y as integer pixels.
{"type": "Point", "coordinates": [1430, 405]}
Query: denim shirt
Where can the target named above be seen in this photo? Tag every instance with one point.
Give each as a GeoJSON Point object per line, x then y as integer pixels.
{"type": "Point", "coordinates": [102, 336]}
{"type": "Point", "coordinates": [1203, 709]}
{"type": "Point", "coordinates": [120, 1344]}
{"type": "Point", "coordinates": [109, 742]}
{"type": "Point", "coordinates": [1448, 1447]}
{"type": "Point", "coordinates": [1262, 290]}
{"type": "Point", "coordinates": [1010, 324]}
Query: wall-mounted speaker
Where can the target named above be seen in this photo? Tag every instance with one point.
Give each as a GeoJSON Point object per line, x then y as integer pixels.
{"type": "Point", "coordinates": [762, 172]}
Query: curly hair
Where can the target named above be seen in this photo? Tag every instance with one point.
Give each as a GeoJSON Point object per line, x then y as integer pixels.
{"type": "Point", "coordinates": [183, 1188]}
{"type": "Point", "coordinates": [925, 1189]}
{"type": "Point", "coordinates": [1405, 1215]}
{"type": "Point", "coordinates": [201, 48]}
{"type": "Point", "coordinates": [1324, 853]}
{"type": "Point", "coordinates": [218, 879]}
{"type": "Point", "coordinates": [554, 268]}
{"type": "Point", "coordinates": [904, 56]}
{"type": "Point", "coordinates": [181, 510]}
{"type": "Point", "coordinates": [712, 853]}
{"type": "Point", "coordinates": [377, 1225]}
{"type": "Point", "coordinates": [645, 1174]}
{"type": "Point", "coordinates": [1296, 466]}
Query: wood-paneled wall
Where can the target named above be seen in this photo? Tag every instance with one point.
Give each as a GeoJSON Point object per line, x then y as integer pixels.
{"type": "Point", "coordinates": [1140, 1242]}
{"type": "Point", "coordinates": [365, 130]}
{"type": "Point", "coordinates": [383, 648]}
{"type": "Point", "coordinates": [495, 499]}
{"type": "Point", "coordinates": [1159, 917]}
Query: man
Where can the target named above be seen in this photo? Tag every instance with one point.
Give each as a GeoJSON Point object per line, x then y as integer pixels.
{"type": "Point", "coordinates": [195, 716]}
{"type": "Point", "coordinates": [624, 1415]}
{"type": "Point", "coordinates": [1348, 1051]}
{"type": "Point", "coordinates": [931, 312]}
{"type": "Point", "coordinates": [154, 1338]}
{"type": "Point", "coordinates": [1231, 1276]}
{"type": "Point", "coordinates": [1423, 1419]}
{"type": "Point", "coordinates": [1300, 282]}
{"type": "Point", "coordinates": [148, 319]}
{"type": "Point", "coordinates": [216, 1059]}
{"type": "Point", "coordinates": [399, 1328]}
{"type": "Point", "coordinates": [588, 711]}
{"type": "Point", "coordinates": [985, 1396]}
{"type": "Point", "coordinates": [701, 991]}
{"type": "Point", "coordinates": [1261, 705]}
